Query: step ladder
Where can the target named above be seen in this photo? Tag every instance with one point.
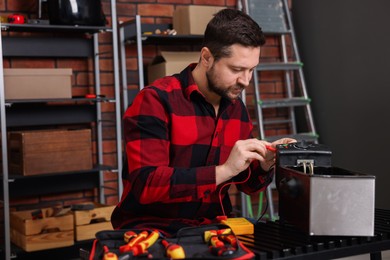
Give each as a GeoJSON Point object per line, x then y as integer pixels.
{"type": "Point", "coordinates": [275, 20]}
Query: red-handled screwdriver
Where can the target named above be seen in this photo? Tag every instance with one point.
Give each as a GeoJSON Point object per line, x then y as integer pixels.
{"type": "Point", "coordinates": [174, 251]}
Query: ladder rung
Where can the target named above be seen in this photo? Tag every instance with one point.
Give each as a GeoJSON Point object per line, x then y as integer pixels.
{"type": "Point", "coordinates": [279, 66]}
{"type": "Point", "coordinates": [311, 137]}
{"type": "Point", "coordinates": [286, 102]}
{"type": "Point", "coordinates": [277, 121]}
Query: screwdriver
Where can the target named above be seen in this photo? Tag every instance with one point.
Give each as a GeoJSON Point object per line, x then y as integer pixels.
{"type": "Point", "coordinates": [174, 251]}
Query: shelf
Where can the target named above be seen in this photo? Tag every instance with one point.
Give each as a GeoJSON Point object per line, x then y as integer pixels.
{"type": "Point", "coordinates": [170, 39]}
{"type": "Point", "coordinates": [9, 102]}
{"type": "Point", "coordinates": [39, 114]}
{"type": "Point", "coordinates": [69, 252]}
{"type": "Point", "coordinates": [96, 168]}
{"type": "Point", "coordinates": [48, 46]}
{"type": "Point", "coordinates": [130, 35]}
{"type": "Point", "coordinates": [21, 186]}
{"type": "Point", "coordinates": [52, 28]}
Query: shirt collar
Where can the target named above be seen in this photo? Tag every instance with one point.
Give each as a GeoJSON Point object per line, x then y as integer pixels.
{"type": "Point", "coordinates": [188, 83]}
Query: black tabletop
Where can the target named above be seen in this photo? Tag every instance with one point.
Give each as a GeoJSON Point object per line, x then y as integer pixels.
{"type": "Point", "coordinates": [276, 240]}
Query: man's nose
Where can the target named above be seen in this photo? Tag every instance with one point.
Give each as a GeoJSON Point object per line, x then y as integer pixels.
{"type": "Point", "coordinates": [244, 78]}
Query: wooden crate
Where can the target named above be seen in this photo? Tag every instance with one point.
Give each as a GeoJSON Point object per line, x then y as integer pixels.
{"type": "Point", "coordinates": [88, 222]}
{"type": "Point", "coordinates": [39, 234]}
{"type": "Point", "coordinates": [49, 151]}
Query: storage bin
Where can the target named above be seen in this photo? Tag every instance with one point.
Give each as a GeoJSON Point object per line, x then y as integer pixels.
{"type": "Point", "coordinates": [89, 222]}
{"type": "Point", "coordinates": [193, 19]}
{"type": "Point", "coordinates": [38, 234]}
{"type": "Point", "coordinates": [49, 151]}
{"type": "Point", "coordinates": [37, 83]}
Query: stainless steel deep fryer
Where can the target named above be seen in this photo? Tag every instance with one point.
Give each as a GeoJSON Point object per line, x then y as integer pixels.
{"type": "Point", "coordinates": [321, 199]}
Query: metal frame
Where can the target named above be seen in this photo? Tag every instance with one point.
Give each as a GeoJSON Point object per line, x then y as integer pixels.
{"type": "Point", "coordinates": [7, 240]}
{"type": "Point", "coordinates": [118, 113]}
{"type": "Point", "coordinates": [123, 35]}
{"type": "Point", "coordinates": [50, 53]}
{"type": "Point", "coordinates": [130, 32]}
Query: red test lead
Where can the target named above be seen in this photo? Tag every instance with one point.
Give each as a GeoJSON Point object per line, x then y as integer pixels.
{"type": "Point", "coordinates": [270, 148]}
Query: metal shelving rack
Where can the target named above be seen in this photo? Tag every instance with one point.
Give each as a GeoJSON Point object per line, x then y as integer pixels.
{"type": "Point", "coordinates": [133, 32]}
{"type": "Point", "coordinates": [81, 112]}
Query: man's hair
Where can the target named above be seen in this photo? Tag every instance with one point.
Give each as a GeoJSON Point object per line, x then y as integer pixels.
{"type": "Point", "coordinates": [228, 27]}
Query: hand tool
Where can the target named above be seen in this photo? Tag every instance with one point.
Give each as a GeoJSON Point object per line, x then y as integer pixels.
{"type": "Point", "coordinates": [16, 19]}
{"type": "Point", "coordinates": [231, 239]}
{"type": "Point", "coordinates": [129, 235]}
{"type": "Point", "coordinates": [217, 247]}
{"type": "Point", "coordinates": [110, 256]}
{"type": "Point", "coordinates": [173, 251]}
{"type": "Point", "coordinates": [148, 241]}
{"type": "Point", "coordinates": [139, 243]}
{"type": "Point", "coordinates": [140, 237]}
{"type": "Point", "coordinates": [222, 251]}
{"type": "Point", "coordinates": [134, 240]}
{"type": "Point", "coordinates": [211, 236]}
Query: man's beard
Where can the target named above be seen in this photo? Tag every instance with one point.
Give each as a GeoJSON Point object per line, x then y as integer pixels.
{"type": "Point", "coordinates": [213, 86]}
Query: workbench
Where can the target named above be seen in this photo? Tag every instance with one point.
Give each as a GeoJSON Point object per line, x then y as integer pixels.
{"type": "Point", "coordinates": [277, 240]}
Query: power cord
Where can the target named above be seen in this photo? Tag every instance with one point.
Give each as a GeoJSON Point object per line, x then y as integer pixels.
{"type": "Point", "coordinates": [265, 209]}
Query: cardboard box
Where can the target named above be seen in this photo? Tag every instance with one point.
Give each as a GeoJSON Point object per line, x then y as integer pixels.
{"type": "Point", "coordinates": [37, 83]}
{"type": "Point", "coordinates": [169, 63]}
{"type": "Point", "coordinates": [49, 151]}
{"type": "Point", "coordinates": [193, 19]}
{"type": "Point", "coordinates": [89, 222]}
{"type": "Point", "coordinates": [45, 233]}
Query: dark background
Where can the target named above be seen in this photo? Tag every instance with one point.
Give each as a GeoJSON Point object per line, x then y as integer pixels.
{"type": "Point", "coordinates": [344, 46]}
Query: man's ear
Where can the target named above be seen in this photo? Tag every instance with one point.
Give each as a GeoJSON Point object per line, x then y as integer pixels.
{"type": "Point", "coordinates": [206, 57]}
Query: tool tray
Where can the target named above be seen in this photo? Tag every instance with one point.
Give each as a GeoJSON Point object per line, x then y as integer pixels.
{"type": "Point", "coordinates": [190, 238]}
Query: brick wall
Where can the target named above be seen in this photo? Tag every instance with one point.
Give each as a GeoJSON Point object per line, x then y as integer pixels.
{"type": "Point", "coordinates": [151, 11]}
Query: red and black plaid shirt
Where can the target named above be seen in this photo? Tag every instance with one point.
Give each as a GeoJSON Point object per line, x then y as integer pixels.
{"type": "Point", "coordinates": [174, 141]}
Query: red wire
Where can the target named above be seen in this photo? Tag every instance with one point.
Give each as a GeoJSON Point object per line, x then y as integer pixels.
{"type": "Point", "coordinates": [269, 148]}
{"type": "Point", "coordinates": [92, 254]}
{"type": "Point", "coordinates": [229, 183]}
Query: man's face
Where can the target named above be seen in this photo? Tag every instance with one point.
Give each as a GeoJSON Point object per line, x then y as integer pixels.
{"type": "Point", "coordinates": [229, 76]}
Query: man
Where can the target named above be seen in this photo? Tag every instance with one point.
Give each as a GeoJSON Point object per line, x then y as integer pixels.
{"type": "Point", "coordinates": [188, 135]}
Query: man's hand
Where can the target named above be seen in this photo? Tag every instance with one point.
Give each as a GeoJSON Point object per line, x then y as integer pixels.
{"type": "Point", "coordinates": [244, 152]}
{"type": "Point", "coordinates": [283, 141]}
{"type": "Point", "coordinates": [267, 165]}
